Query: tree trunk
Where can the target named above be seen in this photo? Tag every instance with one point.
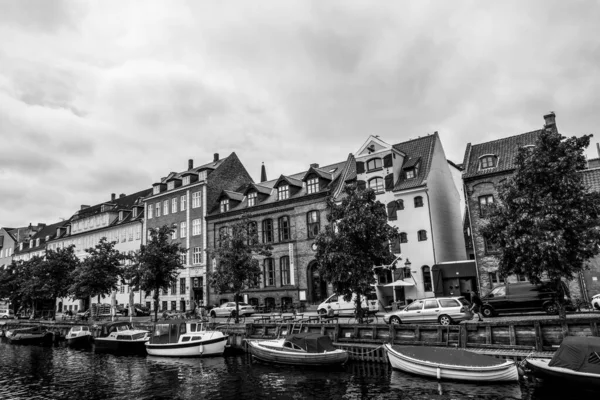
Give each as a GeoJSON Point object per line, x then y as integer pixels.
{"type": "Point", "coordinates": [560, 295]}
{"type": "Point", "coordinates": [113, 305]}
{"type": "Point", "coordinates": [155, 297]}
{"type": "Point", "coordinates": [359, 310]}
{"type": "Point", "coordinates": [131, 294]}
{"type": "Point", "coordinates": [237, 309]}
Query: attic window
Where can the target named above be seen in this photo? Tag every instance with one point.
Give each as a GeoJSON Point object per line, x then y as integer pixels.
{"type": "Point", "coordinates": [202, 175]}
{"type": "Point", "coordinates": [410, 173]}
{"type": "Point", "coordinates": [186, 180]}
{"type": "Point", "coordinates": [252, 198]}
{"type": "Point", "coordinates": [156, 189]}
{"type": "Point", "coordinates": [487, 161]}
{"type": "Point", "coordinates": [134, 212]}
{"type": "Point", "coordinates": [224, 205]}
{"type": "Point", "coordinates": [37, 242]}
{"type": "Point", "coordinates": [312, 184]}
{"type": "Point", "coordinates": [171, 185]}
{"type": "Point", "coordinates": [283, 192]}
{"type": "Point", "coordinates": [120, 215]}
{"type": "Point", "coordinates": [374, 164]}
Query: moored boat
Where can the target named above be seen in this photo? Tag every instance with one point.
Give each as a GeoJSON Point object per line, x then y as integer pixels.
{"type": "Point", "coordinates": [577, 361]}
{"type": "Point", "coordinates": [79, 336]}
{"type": "Point", "coordinates": [121, 337]}
{"type": "Point", "coordinates": [450, 363]}
{"type": "Point", "coordinates": [36, 334]}
{"type": "Point", "coordinates": [185, 338]}
{"type": "Point", "coordinates": [310, 349]}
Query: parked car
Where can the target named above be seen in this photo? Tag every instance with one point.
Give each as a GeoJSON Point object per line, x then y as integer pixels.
{"type": "Point", "coordinates": [596, 301]}
{"type": "Point", "coordinates": [523, 296]}
{"type": "Point", "coordinates": [6, 313]}
{"type": "Point", "coordinates": [443, 310]}
{"type": "Point", "coordinates": [225, 309]}
{"type": "Point", "coordinates": [343, 307]}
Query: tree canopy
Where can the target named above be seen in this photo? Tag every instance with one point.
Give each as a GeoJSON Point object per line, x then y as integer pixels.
{"type": "Point", "coordinates": [356, 239]}
{"type": "Point", "coordinates": [546, 224]}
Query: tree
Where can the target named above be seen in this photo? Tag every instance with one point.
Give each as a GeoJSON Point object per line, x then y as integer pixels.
{"type": "Point", "coordinates": [9, 284]}
{"type": "Point", "coordinates": [131, 276]}
{"type": "Point", "coordinates": [236, 264]}
{"type": "Point", "coordinates": [56, 272]}
{"type": "Point", "coordinates": [30, 281]}
{"type": "Point", "coordinates": [98, 274]}
{"type": "Point", "coordinates": [546, 223]}
{"type": "Point", "coordinates": [356, 239]}
{"type": "Point", "coordinates": [159, 262]}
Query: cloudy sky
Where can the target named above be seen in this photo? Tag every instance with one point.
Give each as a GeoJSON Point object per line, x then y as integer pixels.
{"type": "Point", "coordinates": [108, 96]}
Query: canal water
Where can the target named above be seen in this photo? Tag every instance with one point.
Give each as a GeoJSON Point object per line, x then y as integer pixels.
{"type": "Point", "coordinates": [38, 372]}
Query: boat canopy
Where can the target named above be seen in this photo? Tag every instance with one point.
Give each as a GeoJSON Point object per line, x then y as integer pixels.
{"type": "Point", "coordinates": [107, 329]}
{"type": "Point", "coordinates": [578, 353]}
{"type": "Point", "coordinates": [311, 342]}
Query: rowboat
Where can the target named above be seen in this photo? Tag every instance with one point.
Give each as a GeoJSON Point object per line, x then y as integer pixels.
{"type": "Point", "coordinates": [36, 334]}
{"type": "Point", "coordinates": [79, 336]}
{"type": "Point", "coordinates": [184, 338]}
{"type": "Point", "coordinates": [449, 363]}
{"type": "Point", "coordinates": [577, 361]}
{"type": "Point", "coordinates": [310, 349]}
{"type": "Point", "coordinates": [121, 337]}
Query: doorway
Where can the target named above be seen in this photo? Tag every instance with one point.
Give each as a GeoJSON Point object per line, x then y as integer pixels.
{"type": "Point", "coordinates": [317, 287]}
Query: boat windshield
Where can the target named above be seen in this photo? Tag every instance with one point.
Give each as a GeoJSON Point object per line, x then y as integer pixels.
{"type": "Point", "coordinates": [122, 328]}
{"type": "Point", "coordinates": [197, 327]}
{"type": "Point", "coordinates": [138, 335]}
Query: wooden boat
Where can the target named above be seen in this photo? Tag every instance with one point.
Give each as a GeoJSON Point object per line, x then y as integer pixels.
{"type": "Point", "coordinates": [36, 334]}
{"type": "Point", "coordinates": [450, 363]}
{"type": "Point", "coordinates": [311, 349]}
{"type": "Point", "coordinates": [184, 338]}
{"type": "Point", "coordinates": [121, 337]}
{"type": "Point", "coordinates": [79, 336]}
{"type": "Point", "coordinates": [577, 361]}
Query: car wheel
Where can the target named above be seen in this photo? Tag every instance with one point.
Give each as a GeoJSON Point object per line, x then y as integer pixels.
{"type": "Point", "coordinates": [322, 311]}
{"type": "Point", "coordinates": [596, 305]}
{"type": "Point", "coordinates": [395, 320]}
{"type": "Point", "coordinates": [444, 320]}
{"type": "Point", "coordinates": [551, 308]}
{"type": "Point", "coordinates": [213, 314]}
{"type": "Point", "coordinates": [487, 311]}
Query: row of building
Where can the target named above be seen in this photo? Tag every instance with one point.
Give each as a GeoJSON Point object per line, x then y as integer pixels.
{"type": "Point", "coordinates": [437, 206]}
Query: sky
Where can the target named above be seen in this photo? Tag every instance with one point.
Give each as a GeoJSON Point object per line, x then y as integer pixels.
{"type": "Point", "coordinates": [101, 97]}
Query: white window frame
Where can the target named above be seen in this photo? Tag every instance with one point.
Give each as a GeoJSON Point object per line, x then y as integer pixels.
{"type": "Point", "coordinates": [283, 192]}
{"type": "Point", "coordinates": [186, 180]}
{"type": "Point", "coordinates": [173, 205]}
{"type": "Point", "coordinates": [252, 196]}
{"type": "Point", "coordinates": [157, 207]}
{"type": "Point", "coordinates": [196, 199]}
{"type": "Point", "coordinates": [183, 202]}
{"type": "Point", "coordinates": [183, 230]}
{"type": "Point", "coordinates": [196, 227]}
{"type": "Point", "coordinates": [197, 255]}
{"type": "Point", "coordinates": [166, 207]}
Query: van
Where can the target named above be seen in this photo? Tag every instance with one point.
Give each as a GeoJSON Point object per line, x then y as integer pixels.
{"type": "Point", "coordinates": [6, 313]}
{"type": "Point", "coordinates": [522, 297]}
{"type": "Point", "coordinates": [343, 307]}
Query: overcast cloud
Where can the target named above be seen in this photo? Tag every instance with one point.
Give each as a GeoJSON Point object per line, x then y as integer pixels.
{"type": "Point", "coordinates": [108, 96]}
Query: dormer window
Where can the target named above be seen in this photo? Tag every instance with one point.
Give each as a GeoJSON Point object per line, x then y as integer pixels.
{"type": "Point", "coordinates": [120, 215]}
{"type": "Point", "coordinates": [37, 242]}
{"type": "Point", "coordinates": [47, 238]}
{"type": "Point", "coordinates": [224, 205]}
{"type": "Point", "coordinates": [312, 185]}
{"type": "Point", "coordinates": [410, 173]}
{"type": "Point", "coordinates": [283, 192]}
{"type": "Point", "coordinates": [374, 164]}
{"type": "Point", "coordinates": [202, 175]}
{"type": "Point", "coordinates": [186, 180]}
{"type": "Point", "coordinates": [134, 212]}
{"type": "Point", "coordinates": [487, 162]}
{"type": "Point", "coordinates": [252, 199]}
{"type": "Point", "coordinates": [156, 189]}
{"type": "Point", "coordinates": [171, 185]}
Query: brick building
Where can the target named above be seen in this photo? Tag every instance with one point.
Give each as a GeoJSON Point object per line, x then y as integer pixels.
{"type": "Point", "coordinates": [180, 200]}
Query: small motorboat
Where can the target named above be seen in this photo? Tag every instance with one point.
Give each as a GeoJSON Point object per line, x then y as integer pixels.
{"type": "Point", "coordinates": [36, 334]}
{"type": "Point", "coordinates": [451, 363]}
{"type": "Point", "coordinates": [79, 336]}
{"type": "Point", "coordinates": [577, 361]}
{"type": "Point", "coordinates": [185, 338]}
{"type": "Point", "coordinates": [121, 337]}
{"type": "Point", "coordinates": [310, 349]}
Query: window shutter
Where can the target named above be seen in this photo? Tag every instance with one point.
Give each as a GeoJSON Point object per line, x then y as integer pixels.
{"type": "Point", "coordinates": [391, 209]}
{"type": "Point", "coordinates": [360, 167]}
{"type": "Point", "coordinates": [400, 204]}
{"type": "Point", "coordinates": [362, 185]}
{"type": "Point", "coordinates": [389, 182]}
{"type": "Point", "coordinates": [396, 245]}
{"type": "Point", "coordinates": [387, 161]}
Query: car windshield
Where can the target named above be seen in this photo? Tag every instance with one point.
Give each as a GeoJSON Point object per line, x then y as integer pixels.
{"type": "Point", "coordinates": [499, 291]}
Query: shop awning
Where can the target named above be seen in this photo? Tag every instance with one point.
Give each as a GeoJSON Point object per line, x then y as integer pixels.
{"type": "Point", "coordinates": [459, 269]}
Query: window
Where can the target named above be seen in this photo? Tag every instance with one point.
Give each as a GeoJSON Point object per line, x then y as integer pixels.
{"type": "Point", "coordinates": [174, 205]}
{"type": "Point", "coordinates": [415, 306]}
{"type": "Point", "coordinates": [224, 205]}
{"type": "Point", "coordinates": [422, 235]}
{"type": "Point", "coordinates": [431, 304]}
{"type": "Point", "coordinates": [484, 203]}
{"type": "Point", "coordinates": [490, 246]}
{"type": "Point", "coordinates": [181, 285]}
{"type": "Point", "coordinates": [284, 268]}
{"type": "Point", "coordinates": [197, 255]}
{"type": "Point", "coordinates": [130, 233]}
{"type": "Point", "coordinates": [202, 175]}
{"type": "Point", "coordinates": [184, 259]}
{"type": "Point", "coordinates": [174, 233]}
{"type": "Point", "coordinates": [400, 204]}
{"type": "Point", "coordinates": [156, 189]}
{"type": "Point", "coordinates": [376, 184]}
{"type": "Point", "coordinates": [495, 277]}
{"type": "Point", "coordinates": [173, 291]}
{"type": "Point", "coordinates": [283, 192]}
{"type": "Point", "coordinates": [223, 235]}
{"type": "Point", "coordinates": [267, 234]}
{"type": "Point", "coordinates": [410, 173]}
{"type": "Point", "coordinates": [313, 223]}
{"type": "Point", "coordinates": [374, 164]}
{"type": "Point", "coordinates": [150, 211]}
{"type": "Point", "coordinates": [487, 162]}
{"type": "Point", "coordinates": [312, 185]}
{"type": "Point", "coordinates": [157, 209]}
{"type": "Point", "coordinates": [134, 212]}
{"type": "Point", "coordinates": [186, 180]}
{"type": "Point", "coordinates": [269, 272]}
{"type": "Point", "coordinates": [252, 232]}
{"type": "Point", "coordinates": [418, 201]}
{"type": "Point", "coordinates": [166, 207]}
{"type": "Point", "coordinates": [138, 232]}
{"type": "Point", "coordinates": [164, 304]}
{"type": "Point", "coordinates": [183, 230]}
{"type": "Point", "coordinates": [252, 199]}
{"type": "Point", "coordinates": [183, 202]}
{"type": "Point", "coordinates": [427, 285]}
{"type": "Point", "coordinates": [403, 237]}
{"type": "Point", "coordinates": [196, 199]}
{"type": "Point", "coordinates": [171, 185]}
{"type": "Point", "coordinates": [284, 228]}
{"type": "Point", "coordinates": [196, 227]}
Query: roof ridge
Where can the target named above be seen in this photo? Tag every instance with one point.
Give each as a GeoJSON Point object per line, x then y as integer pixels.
{"type": "Point", "coordinates": [507, 137]}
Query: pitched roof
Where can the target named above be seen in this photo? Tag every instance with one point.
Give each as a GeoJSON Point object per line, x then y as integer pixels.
{"type": "Point", "coordinates": [259, 188]}
{"type": "Point", "coordinates": [504, 149]}
{"type": "Point", "coordinates": [179, 175]}
{"type": "Point", "coordinates": [232, 195]}
{"type": "Point", "coordinates": [289, 180]}
{"type": "Point", "coordinates": [415, 149]}
{"type": "Point", "coordinates": [591, 179]}
{"type": "Point", "coordinates": [120, 203]}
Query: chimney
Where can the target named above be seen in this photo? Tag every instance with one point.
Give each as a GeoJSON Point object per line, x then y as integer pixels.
{"type": "Point", "coordinates": [216, 157]}
{"type": "Point", "coordinates": [84, 206]}
{"type": "Point", "coordinates": [122, 195]}
{"type": "Point", "coordinates": [190, 163]}
{"type": "Point", "coordinates": [113, 197]}
{"type": "Point", "coordinates": [598, 149]}
{"type": "Point", "coordinates": [314, 165]}
{"type": "Point", "coordinates": [550, 121]}
{"type": "Point", "coordinates": [263, 173]}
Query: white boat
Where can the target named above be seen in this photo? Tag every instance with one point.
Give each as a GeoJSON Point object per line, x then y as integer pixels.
{"type": "Point", "coordinates": [451, 363]}
{"type": "Point", "coordinates": [79, 335]}
{"type": "Point", "coordinates": [36, 334]}
{"type": "Point", "coordinates": [185, 338]}
{"type": "Point", "coordinates": [121, 337]}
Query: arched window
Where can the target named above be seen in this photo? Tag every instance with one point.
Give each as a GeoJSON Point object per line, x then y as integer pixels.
{"type": "Point", "coordinates": [403, 237]}
{"type": "Point", "coordinates": [487, 161]}
{"type": "Point", "coordinates": [427, 284]}
{"type": "Point", "coordinates": [313, 223]}
{"type": "Point", "coordinates": [376, 184]}
{"type": "Point", "coordinates": [269, 272]}
{"type": "Point", "coordinates": [418, 201]}
{"type": "Point", "coordinates": [373, 164]}
{"type": "Point", "coordinates": [284, 269]}
{"type": "Point", "coordinates": [422, 235]}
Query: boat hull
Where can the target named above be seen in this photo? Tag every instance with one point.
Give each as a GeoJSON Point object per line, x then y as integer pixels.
{"type": "Point", "coordinates": [205, 348]}
{"type": "Point", "coordinates": [541, 369]}
{"type": "Point", "coordinates": [268, 351]}
{"type": "Point", "coordinates": [120, 346]}
{"type": "Point", "coordinates": [80, 341]}
{"type": "Point", "coordinates": [504, 372]}
{"type": "Point", "coordinates": [41, 338]}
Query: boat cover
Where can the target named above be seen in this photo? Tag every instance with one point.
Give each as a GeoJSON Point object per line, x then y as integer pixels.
{"type": "Point", "coordinates": [312, 342]}
{"type": "Point", "coordinates": [448, 356]}
{"type": "Point", "coordinates": [578, 353]}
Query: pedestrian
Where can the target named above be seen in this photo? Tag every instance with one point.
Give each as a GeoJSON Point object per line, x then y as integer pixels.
{"type": "Point", "coordinates": [330, 312]}
{"type": "Point", "coordinates": [476, 305]}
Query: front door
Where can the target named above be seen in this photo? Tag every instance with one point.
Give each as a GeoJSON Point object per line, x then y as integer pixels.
{"type": "Point", "coordinates": [318, 286]}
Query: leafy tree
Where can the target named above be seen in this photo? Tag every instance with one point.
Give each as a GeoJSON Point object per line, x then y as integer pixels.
{"type": "Point", "coordinates": [56, 272]}
{"type": "Point", "coordinates": [159, 263]}
{"type": "Point", "coordinates": [9, 284]}
{"type": "Point", "coordinates": [236, 264]}
{"type": "Point", "coordinates": [546, 223]}
{"type": "Point", "coordinates": [30, 281]}
{"type": "Point", "coordinates": [131, 276]}
{"type": "Point", "coordinates": [355, 240]}
{"type": "Point", "coordinates": [98, 274]}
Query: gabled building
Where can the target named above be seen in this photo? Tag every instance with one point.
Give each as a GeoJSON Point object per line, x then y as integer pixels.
{"type": "Point", "coordinates": [180, 201]}
{"type": "Point", "coordinates": [7, 246]}
{"type": "Point", "coordinates": [591, 277]}
{"type": "Point", "coordinates": [30, 241]}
